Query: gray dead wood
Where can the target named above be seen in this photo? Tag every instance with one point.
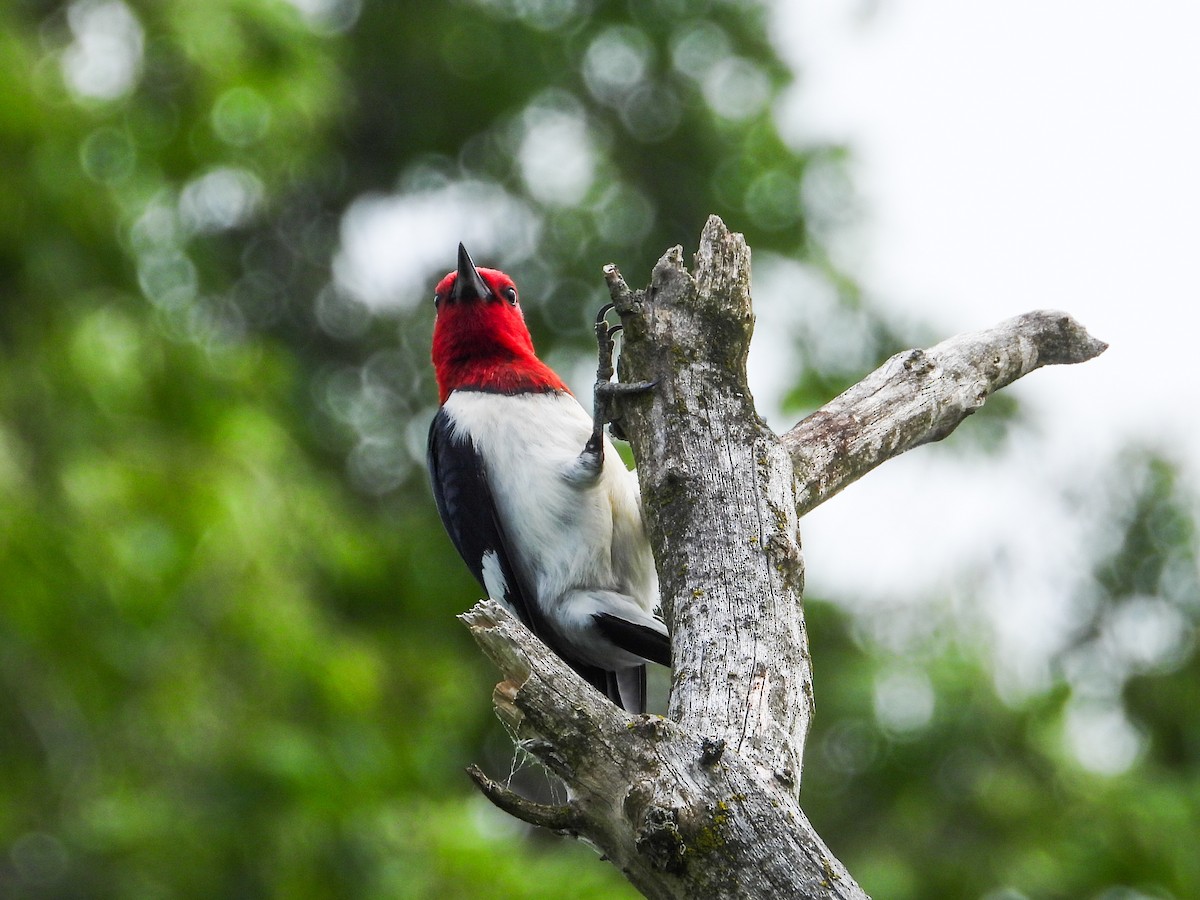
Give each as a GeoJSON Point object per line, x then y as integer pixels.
{"type": "Point", "coordinates": [680, 815]}
{"type": "Point", "coordinates": [705, 802]}
{"type": "Point", "coordinates": [920, 396]}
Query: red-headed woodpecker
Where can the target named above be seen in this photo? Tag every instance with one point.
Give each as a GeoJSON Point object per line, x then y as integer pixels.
{"type": "Point", "coordinates": [533, 494]}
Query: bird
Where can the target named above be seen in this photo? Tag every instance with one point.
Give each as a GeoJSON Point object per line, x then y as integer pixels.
{"type": "Point", "coordinates": [533, 494]}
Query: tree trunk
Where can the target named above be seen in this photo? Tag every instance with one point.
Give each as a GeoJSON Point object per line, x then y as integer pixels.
{"type": "Point", "coordinates": [705, 803]}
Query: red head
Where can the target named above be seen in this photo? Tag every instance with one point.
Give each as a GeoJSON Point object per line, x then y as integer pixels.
{"type": "Point", "coordinates": [480, 341]}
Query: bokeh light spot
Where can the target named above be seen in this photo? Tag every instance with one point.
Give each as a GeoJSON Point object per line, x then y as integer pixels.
{"type": "Point", "coordinates": [341, 315]}
{"type": "Point", "coordinates": [105, 59]}
{"type": "Point", "coordinates": [773, 200]}
{"type": "Point", "coordinates": [623, 215]}
{"type": "Point", "coordinates": [904, 700]}
{"type": "Point", "coordinates": [241, 116]}
{"type": "Point", "coordinates": [651, 112]}
{"type": "Point", "coordinates": [377, 466]}
{"type": "Point", "coordinates": [1149, 634]}
{"type": "Point", "coordinates": [544, 15]}
{"type": "Point", "coordinates": [696, 48]}
{"type": "Point", "coordinates": [736, 88]}
{"type": "Point", "coordinates": [851, 746]}
{"type": "Point", "coordinates": [225, 197]}
{"type": "Point", "coordinates": [615, 62]}
{"type": "Point", "coordinates": [557, 156]}
{"type": "Point", "coordinates": [551, 15]}
{"type": "Point", "coordinates": [828, 196]}
{"type": "Point", "coordinates": [107, 155]}
{"type": "Point", "coordinates": [328, 16]}
{"type": "Point", "coordinates": [157, 227]}
{"type": "Point", "coordinates": [168, 278]}
{"type": "Point", "coordinates": [1101, 738]}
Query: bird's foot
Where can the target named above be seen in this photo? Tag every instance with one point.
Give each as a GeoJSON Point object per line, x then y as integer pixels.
{"type": "Point", "coordinates": [607, 390]}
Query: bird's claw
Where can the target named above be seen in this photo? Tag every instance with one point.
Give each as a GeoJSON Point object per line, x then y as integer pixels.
{"type": "Point", "coordinates": [605, 343]}
{"type": "Point", "coordinates": [607, 389]}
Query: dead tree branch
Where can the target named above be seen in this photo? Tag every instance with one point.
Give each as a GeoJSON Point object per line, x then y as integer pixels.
{"type": "Point", "coordinates": [677, 815]}
{"type": "Point", "coordinates": [920, 396]}
{"type": "Point", "coordinates": [704, 802]}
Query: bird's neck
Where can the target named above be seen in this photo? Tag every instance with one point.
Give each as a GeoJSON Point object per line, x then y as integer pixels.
{"type": "Point", "coordinates": [496, 374]}
{"type": "Point", "coordinates": [498, 360]}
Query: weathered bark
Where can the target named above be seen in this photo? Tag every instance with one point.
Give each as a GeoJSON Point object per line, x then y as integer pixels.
{"type": "Point", "coordinates": [719, 497]}
{"type": "Point", "coordinates": [920, 396]}
{"type": "Point", "coordinates": [681, 815]}
{"type": "Point", "coordinates": [704, 803]}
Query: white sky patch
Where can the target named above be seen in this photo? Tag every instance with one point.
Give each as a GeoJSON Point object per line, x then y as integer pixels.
{"type": "Point", "coordinates": [391, 245]}
{"type": "Point", "coordinates": [225, 197]}
{"type": "Point", "coordinates": [105, 59]}
{"type": "Point", "coordinates": [794, 301]}
{"type": "Point", "coordinates": [1010, 157]}
{"type": "Point", "coordinates": [903, 700]}
{"type": "Point", "coordinates": [557, 156]}
{"type": "Point", "coordinates": [1149, 634]}
{"type": "Point", "coordinates": [1101, 738]}
{"type": "Point", "coordinates": [1020, 156]}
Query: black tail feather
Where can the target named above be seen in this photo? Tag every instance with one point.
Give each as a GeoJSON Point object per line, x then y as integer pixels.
{"type": "Point", "coordinates": [640, 639]}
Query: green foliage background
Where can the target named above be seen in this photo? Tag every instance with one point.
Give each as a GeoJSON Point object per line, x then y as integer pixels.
{"type": "Point", "coordinates": [228, 659]}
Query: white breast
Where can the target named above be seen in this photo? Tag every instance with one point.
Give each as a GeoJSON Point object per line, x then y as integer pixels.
{"type": "Point", "coordinates": [564, 536]}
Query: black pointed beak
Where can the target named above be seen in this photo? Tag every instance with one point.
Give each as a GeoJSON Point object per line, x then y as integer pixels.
{"type": "Point", "coordinates": [469, 285]}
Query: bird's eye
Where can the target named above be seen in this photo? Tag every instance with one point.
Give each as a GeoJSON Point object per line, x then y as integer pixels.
{"type": "Point", "coordinates": [437, 298]}
{"type": "Point", "coordinates": [511, 294]}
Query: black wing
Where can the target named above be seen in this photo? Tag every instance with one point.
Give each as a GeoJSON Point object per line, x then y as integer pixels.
{"type": "Point", "coordinates": [464, 501]}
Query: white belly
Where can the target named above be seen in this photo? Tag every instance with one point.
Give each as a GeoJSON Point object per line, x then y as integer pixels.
{"type": "Point", "coordinates": [564, 535]}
